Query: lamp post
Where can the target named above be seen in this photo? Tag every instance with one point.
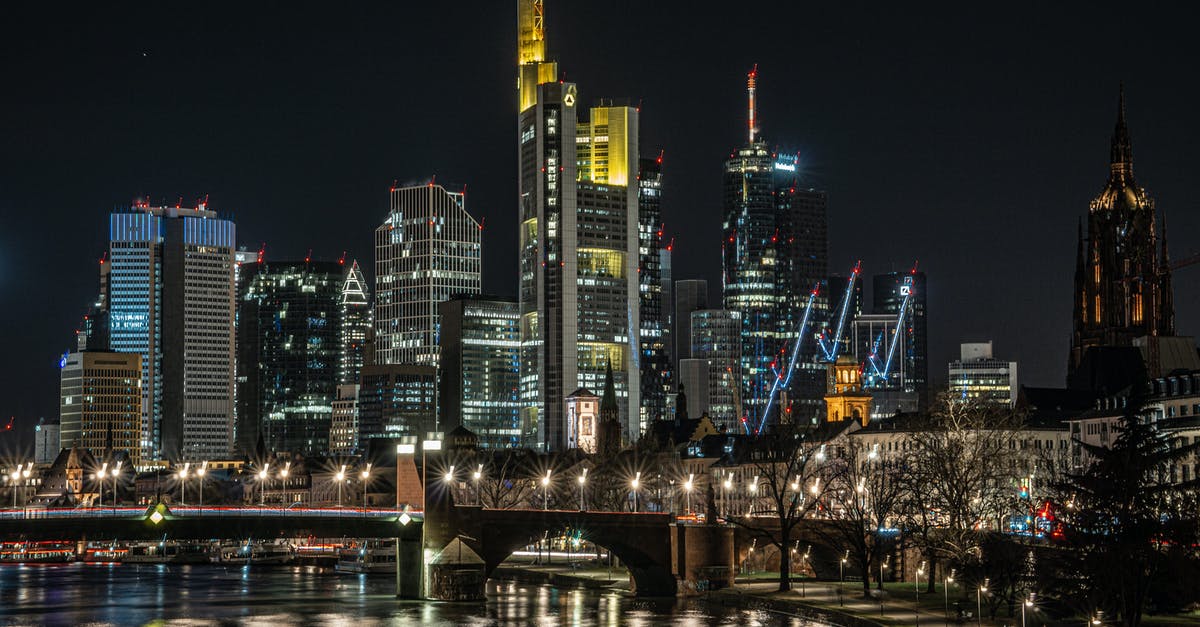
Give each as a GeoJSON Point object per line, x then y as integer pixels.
{"type": "Point", "coordinates": [16, 478]}
{"type": "Point", "coordinates": [475, 477]}
{"type": "Point", "coordinates": [636, 480]}
{"type": "Point", "coordinates": [116, 471]}
{"type": "Point", "coordinates": [1027, 603]}
{"type": "Point", "coordinates": [283, 476]}
{"type": "Point", "coordinates": [366, 476]}
{"type": "Point", "coordinates": [582, 480]}
{"type": "Point", "coordinates": [687, 487]}
{"type": "Point", "coordinates": [340, 477]}
{"type": "Point", "coordinates": [842, 567]}
{"type": "Point", "coordinates": [199, 475]}
{"type": "Point", "coordinates": [917, 594]}
{"type": "Point", "coordinates": [979, 602]}
{"type": "Point", "coordinates": [946, 592]}
{"type": "Point", "coordinates": [262, 485]}
{"type": "Point", "coordinates": [882, 567]}
{"type": "Point", "coordinates": [753, 494]}
{"type": "Point", "coordinates": [546, 491]}
{"type": "Point", "coordinates": [725, 493]}
{"type": "Point", "coordinates": [100, 475]}
{"type": "Point", "coordinates": [183, 475]}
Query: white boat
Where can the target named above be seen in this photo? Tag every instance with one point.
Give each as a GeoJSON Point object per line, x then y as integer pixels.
{"type": "Point", "coordinates": [166, 552]}
{"type": "Point", "coordinates": [257, 554]}
{"type": "Point", "coordinates": [36, 553]}
{"type": "Point", "coordinates": [371, 556]}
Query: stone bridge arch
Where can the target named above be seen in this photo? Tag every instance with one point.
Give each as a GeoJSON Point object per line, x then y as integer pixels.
{"type": "Point", "coordinates": [642, 541]}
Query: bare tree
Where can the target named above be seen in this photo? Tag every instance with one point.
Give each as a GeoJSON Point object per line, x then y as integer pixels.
{"type": "Point", "coordinates": [870, 493]}
{"type": "Point", "coordinates": [506, 480]}
{"type": "Point", "coordinates": [794, 481]}
{"type": "Point", "coordinates": [962, 466]}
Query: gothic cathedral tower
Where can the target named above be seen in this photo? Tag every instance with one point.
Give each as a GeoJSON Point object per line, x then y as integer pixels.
{"type": "Point", "coordinates": [1122, 275]}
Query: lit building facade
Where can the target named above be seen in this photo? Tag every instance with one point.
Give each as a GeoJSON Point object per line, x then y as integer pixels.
{"type": "Point", "coordinates": [717, 340]}
{"type": "Point", "coordinates": [46, 438]}
{"type": "Point", "coordinates": [396, 400]}
{"type": "Point", "coordinates": [978, 375]}
{"type": "Point", "coordinates": [427, 249]}
{"type": "Point", "coordinates": [654, 274]}
{"type": "Point", "coordinates": [690, 295]}
{"type": "Point", "coordinates": [289, 345]}
{"type": "Point", "coordinates": [583, 419]}
{"type": "Point", "coordinates": [871, 336]}
{"type": "Point", "coordinates": [101, 398]}
{"type": "Point", "coordinates": [480, 369]}
{"type": "Point", "coordinates": [171, 299]}
{"type": "Point", "coordinates": [578, 246]}
{"type": "Point", "coordinates": [774, 253]}
{"type": "Point", "coordinates": [356, 315]}
{"type": "Point", "coordinates": [343, 431]}
{"type": "Point", "coordinates": [1122, 274]}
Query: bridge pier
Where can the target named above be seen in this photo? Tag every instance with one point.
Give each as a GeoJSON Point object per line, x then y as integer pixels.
{"type": "Point", "coordinates": [702, 557]}
{"type": "Point", "coordinates": [410, 568]}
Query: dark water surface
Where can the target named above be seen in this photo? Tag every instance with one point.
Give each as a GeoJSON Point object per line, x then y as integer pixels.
{"type": "Point", "coordinates": [102, 594]}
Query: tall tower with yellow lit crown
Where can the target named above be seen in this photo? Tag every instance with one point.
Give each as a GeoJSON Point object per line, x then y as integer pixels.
{"type": "Point", "coordinates": [578, 248]}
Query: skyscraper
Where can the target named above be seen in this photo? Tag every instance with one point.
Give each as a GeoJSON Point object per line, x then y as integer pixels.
{"type": "Point", "coordinates": [480, 373]}
{"type": "Point", "coordinates": [893, 292]}
{"type": "Point", "coordinates": [653, 264]}
{"type": "Point", "coordinates": [578, 249]}
{"type": "Point", "coordinates": [717, 340]}
{"type": "Point", "coordinates": [690, 295]}
{"type": "Point", "coordinates": [171, 300]}
{"type": "Point", "coordinates": [774, 253]}
{"type": "Point", "coordinates": [1122, 276]}
{"type": "Point", "coordinates": [396, 400]}
{"type": "Point", "coordinates": [101, 406]}
{"type": "Point", "coordinates": [289, 344]}
{"type": "Point", "coordinates": [427, 249]}
{"type": "Point", "coordinates": [355, 325]}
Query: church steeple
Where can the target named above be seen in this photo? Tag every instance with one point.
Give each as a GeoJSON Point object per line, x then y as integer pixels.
{"type": "Point", "coordinates": [1121, 153]}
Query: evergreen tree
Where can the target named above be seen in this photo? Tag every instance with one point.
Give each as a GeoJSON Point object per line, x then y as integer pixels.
{"type": "Point", "coordinates": [1123, 518]}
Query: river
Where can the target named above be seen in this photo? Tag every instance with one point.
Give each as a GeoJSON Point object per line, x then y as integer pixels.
{"type": "Point", "coordinates": [104, 594]}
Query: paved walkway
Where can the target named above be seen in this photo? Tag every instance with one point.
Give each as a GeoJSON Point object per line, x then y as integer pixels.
{"type": "Point", "coordinates": [824, 595]}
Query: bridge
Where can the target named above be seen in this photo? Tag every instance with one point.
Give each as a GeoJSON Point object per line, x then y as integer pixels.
{"type": "Point", "coordinates": [225, 523]}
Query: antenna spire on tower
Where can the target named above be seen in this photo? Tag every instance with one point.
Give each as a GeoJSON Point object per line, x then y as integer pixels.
{"type": "Point", "coordinates": [751, 84]}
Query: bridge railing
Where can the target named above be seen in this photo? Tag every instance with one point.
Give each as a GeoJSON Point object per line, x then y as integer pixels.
{"type": "Point", "coordinates": [223, 512]}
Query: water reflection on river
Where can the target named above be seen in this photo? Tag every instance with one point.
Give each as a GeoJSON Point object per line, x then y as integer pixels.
{"type": "Point", "coordinates": [98, 594]}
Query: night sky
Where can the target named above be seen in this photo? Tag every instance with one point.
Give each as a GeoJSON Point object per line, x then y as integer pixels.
{"type": "Point", "coordinates": [971, 142]}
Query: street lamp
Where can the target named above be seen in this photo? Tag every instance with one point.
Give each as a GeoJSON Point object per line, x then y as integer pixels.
{"type": "Point", "coordinates": [546, 491]}
{"type": "Point", "coordinates": [725, 494]}
{"type": "Point", "coordinates": [340, 477]}
{"type": "Point", "coordinates": [917, 593]}
{"type": "Point", "coordinates": [842, 567]}
{"type": "Point", "coordinates": [1028, 603]}
{"type": "Point", "coordinates": [979, 602]}
{"type": "Point", "coordinates": [116, 471]}
{"type": "Point", "coordinates": [199, 475]}
{"type": "Point", "coordinates": [946, 592]}
{"type": "Point", "coordinates": [882, 567]}
{"type": "Point", "coordinates": [582, 480]}
{"type": "Point", "coordinates": [283, 475]}
{"type": "Point", "coordinates": [366, 476]}
{"type": "Point", "coordinates": [16, 477]}
{"type": "Point", "coordinates": [636, 479]}
{"type": "Point", "coordinates": [475, 477]}
{"type": "Point", "coordinates": [100, 475]}
{"type": "Point", "coordinates": [262, 485]}
{"type": "Point", "coordinates": [183, 475]}
{"type": "Point", "coordinates": [688, 488]}
{"type": "Point", "coordinates": [753, 493]}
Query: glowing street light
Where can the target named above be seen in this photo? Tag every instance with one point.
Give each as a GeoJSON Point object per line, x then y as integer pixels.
{"type": "Point", "coordinates": [199, 475]}
{"type": "Point", "coordinates": [183, 475]}
{"type": "Point", "coordinates": [100, 475]}
{"type": "Point", "coordinates": [475, 477]}
{"type": "Point", "coordinates": [687, 486]}
{"type": "Point", "coordinates": [582, 480]}
{"type": "Point", "coordinates": [366, 476]}
{"type": "Point", "coordinates": [283, 475]}
{"type": "Point", "coordinates": [842, 566]}
{"type": "Point", "coordinates": [882, 567]}
{"type": "Point", "coordinates": [546, 491]}
{"type": "Point", "coordinates": [636, 480]}
{"type": "Point", "coordinates": [340, 478]}
{"type": "Point", "coordinates": [946, 592]}
{"type": "Point", "coordinates": [262, 485]}
{"type": "Point", "coordinates": [979, 602]}
{"type": "Point", "coordinates": [1028, 603]}
{"type": "Point", "coordinates": [917, 593]}
{"type": "Point", "coordinates": [116, 471]}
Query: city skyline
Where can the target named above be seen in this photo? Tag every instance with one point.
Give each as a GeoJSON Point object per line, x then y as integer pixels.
{"type": "Point", "coordinates": [1027, 311]}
